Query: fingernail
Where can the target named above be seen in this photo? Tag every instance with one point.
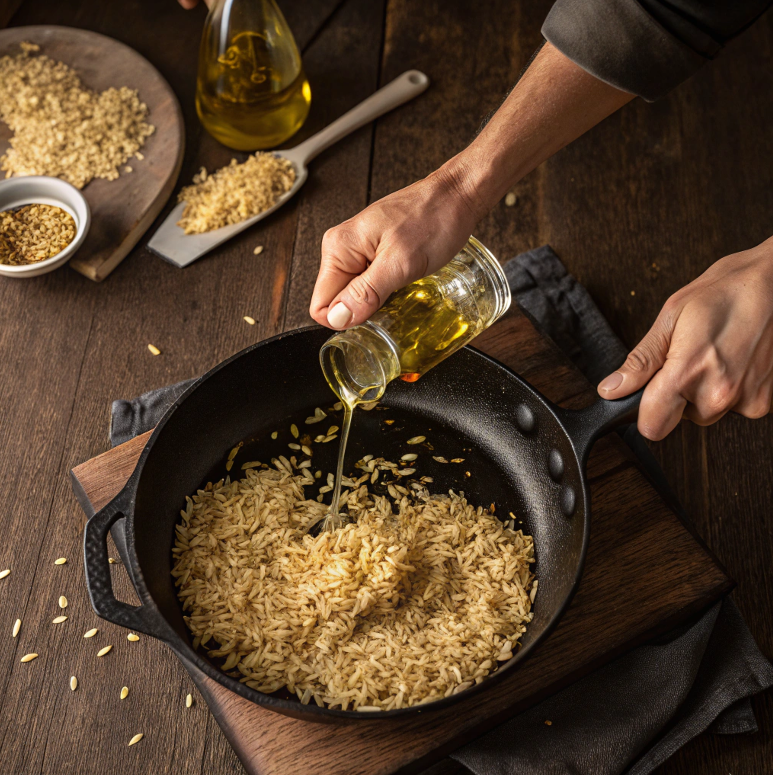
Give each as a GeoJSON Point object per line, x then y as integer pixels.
{"type": "Point", "coordinates": [612, 382]}
{"type": "Point", "coordinates": [339, 316]}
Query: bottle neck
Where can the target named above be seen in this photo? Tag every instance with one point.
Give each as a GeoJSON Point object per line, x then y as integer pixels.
{"type": "Point", "coordinates": [359, 363]}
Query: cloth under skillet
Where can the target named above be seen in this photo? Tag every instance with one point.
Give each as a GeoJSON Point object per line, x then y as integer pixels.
{"type": "Point", "coordinates": [631, 715]}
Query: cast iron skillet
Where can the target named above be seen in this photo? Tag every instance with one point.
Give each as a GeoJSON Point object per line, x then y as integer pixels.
{"type": "Point", "coordinates": [523, 453]}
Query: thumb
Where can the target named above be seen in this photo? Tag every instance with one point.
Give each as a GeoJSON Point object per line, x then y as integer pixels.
{"type": "Point", "coordinates": [366, 293]}
{"type": "Point", "coordinates": [642, 362]}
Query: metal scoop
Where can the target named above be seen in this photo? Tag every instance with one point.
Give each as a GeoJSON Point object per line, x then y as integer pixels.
{"type": "Point", "coordinates": [173, 244]}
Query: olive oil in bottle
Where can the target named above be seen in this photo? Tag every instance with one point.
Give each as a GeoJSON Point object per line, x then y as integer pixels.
{"type": "Point", "coordinates": [251, 91]}
{"type": "Point", "coordinates": [418, 327]}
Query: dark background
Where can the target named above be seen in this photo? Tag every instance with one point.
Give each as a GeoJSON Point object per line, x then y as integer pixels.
{"type": "Point", "coordinates": [679, 183]}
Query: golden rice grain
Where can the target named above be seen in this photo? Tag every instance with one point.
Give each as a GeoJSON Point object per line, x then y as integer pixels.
{"type": "Point", "coordinates": [103, 651]}
{"type": "Point", "coordinates": [510, 199]}
{"type": "Point", "coordinates": [73, 683]}
{"type": "Point", "coordinates": [132, 637]}
{"type": "Point", "coordinates": [60, 561]}
{"type": "Point", "coordinates": [4, 573]}
{"type": "Point", "coordinates": [136, 738]}
{"type": "Point", "coordinates": [111, 560]}
{"type": "Point", "coordinates": [16, 628]}
{"type": "Point", "coordinates": [274, 435]}
{"type": "Point", "coordinates": [249, 320]}
{"type": "Point", "coordinates": [235, 192]}
{"type": "Point", "coordinates": [61, 128]}
{"type": "Point", "coordinates": [124, 692]}
{"type": "Point", "coordinates": [294, 430]}
{"type": "Point", "coordinates": [59, 620]}
{"type": "Point", "coordinates": [29, 657]}
{"type": "Point", "coordinates": [258, 250]}
{"type": "Point", "coordinates": [424, 580]}
{"type": "Point", "coordinates": [90, 633]}
{"type": "Point", "coordinates": [63, 602]}
{"type": "Point", "coordinates": [154, 350]}
{"type": "Point", "coordinates": [188, 701]}
{"type": "Point", "coordinates": [416, 440]}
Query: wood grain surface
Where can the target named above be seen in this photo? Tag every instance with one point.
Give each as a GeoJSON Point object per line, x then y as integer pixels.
{"type": "Point", "coordinates": [122, 209]}
{"type": "Point", "coordinates": [678, 183]}
{"type": "Point", "coordinates": [644, 573]}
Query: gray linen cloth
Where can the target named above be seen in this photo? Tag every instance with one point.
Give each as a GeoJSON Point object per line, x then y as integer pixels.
{"type": "Point", "coordinates": [631, 715]}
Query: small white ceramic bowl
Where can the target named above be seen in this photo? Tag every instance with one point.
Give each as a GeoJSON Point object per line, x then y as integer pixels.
{"type": "Point", "coordinates": [16, 192]}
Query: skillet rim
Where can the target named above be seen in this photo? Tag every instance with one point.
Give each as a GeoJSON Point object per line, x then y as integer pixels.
{"type": "Point", "coordinates": [164, 632]}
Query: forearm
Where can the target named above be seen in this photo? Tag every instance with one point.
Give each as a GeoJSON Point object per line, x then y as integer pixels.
{"type": "Point", "coordinates": [554, 103]}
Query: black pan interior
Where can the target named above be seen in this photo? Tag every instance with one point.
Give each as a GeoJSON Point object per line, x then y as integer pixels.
{"type": "Point", "coordinates": [517, 455]}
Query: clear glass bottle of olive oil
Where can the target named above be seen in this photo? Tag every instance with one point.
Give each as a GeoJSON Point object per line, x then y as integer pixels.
{"type": "Point", "coordinates": [251, 91]}
{"type": "Point", "coordinates": [418, 327]}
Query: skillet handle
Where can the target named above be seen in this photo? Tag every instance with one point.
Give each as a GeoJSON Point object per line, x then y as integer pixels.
{"type": "Point", "coordinates": [585, 426]}
{"type": "Point", "coordinates": [99, 582]}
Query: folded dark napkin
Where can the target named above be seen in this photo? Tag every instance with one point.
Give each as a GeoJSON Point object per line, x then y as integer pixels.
{"type": "Point", "coordinates": [631, 715]}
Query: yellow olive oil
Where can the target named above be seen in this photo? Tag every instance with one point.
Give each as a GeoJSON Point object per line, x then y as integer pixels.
{"type": "Point", "coordinates": [426, 326]}
{"type": "Point", "coordinates": [251, 90]}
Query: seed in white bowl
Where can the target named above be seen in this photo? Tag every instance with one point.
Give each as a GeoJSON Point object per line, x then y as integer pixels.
{"type": "Point", "coordinates": [16, 628]}
{"type": "Point", "coordinates": [59, 620]}
{"type": "Point", "coordinates": [124, 692]}
{"type": "Point", "coordinates": [136, 739]}
{"type": "Point", "coordinates": [103, 651]}
{"type": "Point", "coordinates": [132, 637]}
{"type": "Point", "coordinates": [29, 657]}
{"type": "Point", "coordinates": [90, 633]}
{"type": "Point", "coordinates": [154, 350]}
{"type": "Point", "coordinates": [63, 602]}
{"type": "Point", "coordinates": [73, 683]}
{"type": "Point", "coordinates": [60, 561]}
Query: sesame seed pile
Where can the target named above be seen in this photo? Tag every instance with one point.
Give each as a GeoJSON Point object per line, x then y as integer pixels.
{"type": "Point", "coordinates": [34, 233]}
{"type": "Point", "coordinates": [235, 192]}
{"type": "Point", "coordinates": [60, 127]}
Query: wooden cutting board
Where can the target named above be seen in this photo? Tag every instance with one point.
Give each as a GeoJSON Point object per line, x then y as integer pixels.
{"type": "Point", "coordinates": [121, 210]}
{"type": "Point", "coordinates": [645, 572]}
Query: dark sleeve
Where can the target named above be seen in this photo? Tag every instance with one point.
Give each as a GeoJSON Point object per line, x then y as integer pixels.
{"type": "Point", "coordinates": [646, 47]}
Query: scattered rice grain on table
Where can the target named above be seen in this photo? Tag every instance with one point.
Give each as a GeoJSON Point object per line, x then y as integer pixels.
{"type": "Point", "coordinates": [234, 193]}
{"type": "Point", "coordinates": [390, 610]}
{"type": "Point", "coordinates": [62, 128]}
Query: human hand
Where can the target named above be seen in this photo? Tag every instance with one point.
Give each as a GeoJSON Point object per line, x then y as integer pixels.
{"type": "Point", "coordinates": [710, 350]}
{"type": "Point", "coordinates": [396, 240]}
{"type": "Point", "coordinates": [188, 4]}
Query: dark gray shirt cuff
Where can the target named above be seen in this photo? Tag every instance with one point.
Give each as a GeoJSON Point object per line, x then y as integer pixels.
{"type": "Point", "coordinates": [649, 47]}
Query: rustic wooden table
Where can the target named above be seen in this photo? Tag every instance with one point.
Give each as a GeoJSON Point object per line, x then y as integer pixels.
{"type": "Point", "coordinates": [679, 184]}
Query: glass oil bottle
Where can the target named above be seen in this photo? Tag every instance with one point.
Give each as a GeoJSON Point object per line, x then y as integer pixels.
{"type": "Point", "coordinates": [418, 327]}
{"type": "Point", "coordinates": [251, 91]}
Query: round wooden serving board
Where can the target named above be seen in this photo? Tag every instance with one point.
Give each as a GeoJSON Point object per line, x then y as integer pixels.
{"type": "Point", "coordinates": [122, 209]}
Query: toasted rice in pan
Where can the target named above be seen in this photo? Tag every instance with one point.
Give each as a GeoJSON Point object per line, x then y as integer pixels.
{"type": "Point", "coordinates": [393, 609]}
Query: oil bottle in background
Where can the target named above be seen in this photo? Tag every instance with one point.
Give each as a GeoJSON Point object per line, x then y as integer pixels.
{"type": "Point", "coordinates": [251, 91]}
